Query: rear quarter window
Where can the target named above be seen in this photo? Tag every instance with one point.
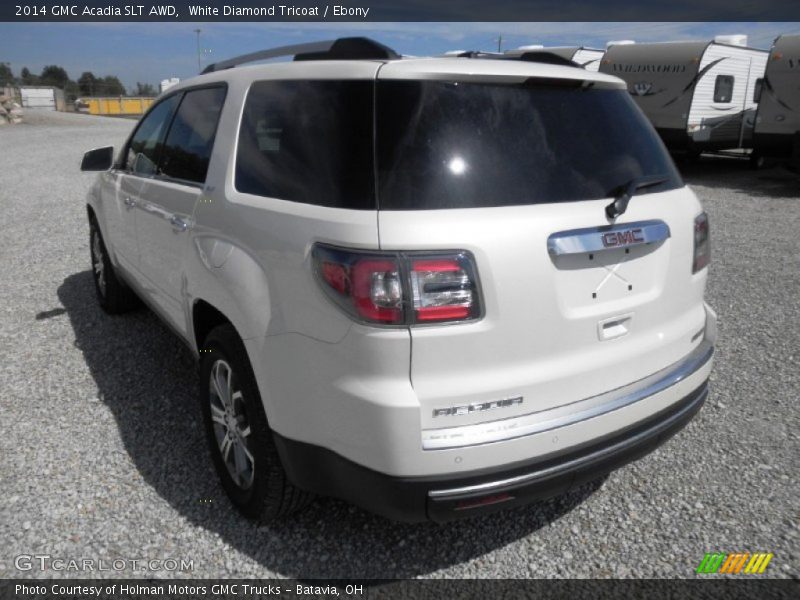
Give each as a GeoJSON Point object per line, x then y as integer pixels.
{"type": "Point", "coordinates": [309, 142]}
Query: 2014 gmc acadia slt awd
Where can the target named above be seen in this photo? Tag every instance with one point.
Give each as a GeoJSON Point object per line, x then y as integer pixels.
{"type": "Point", "coordinates": [433, 287]}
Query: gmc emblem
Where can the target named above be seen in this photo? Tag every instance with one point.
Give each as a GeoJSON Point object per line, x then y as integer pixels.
{"type": "Point", "coordinates": [622, 238]}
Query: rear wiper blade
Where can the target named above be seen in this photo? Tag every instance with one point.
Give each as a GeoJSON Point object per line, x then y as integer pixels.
{"type": "Point", "coordinates": [625, 193]}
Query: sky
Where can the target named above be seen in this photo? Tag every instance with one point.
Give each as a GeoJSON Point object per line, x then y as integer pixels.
{"type": "Point", "coordinates": [150, 52]}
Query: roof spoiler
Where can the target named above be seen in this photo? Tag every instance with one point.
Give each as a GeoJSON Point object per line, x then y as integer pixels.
{"type": "Point", "coordinates": [349, 48]}
{"type": "Point", "coordinates": [539, 56]}
{"type": "Point", "coordinates": [543, 56]}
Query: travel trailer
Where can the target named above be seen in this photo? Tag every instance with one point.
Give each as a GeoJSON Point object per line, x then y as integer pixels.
{"type": "Point", "coordinates": [777, 130]}
{"type": "Point", "coordinates": [168, 83]}
{"type": "Point", "coordinates": [588, 58]}
{"type": "Point", "coordinates": [698, 95]}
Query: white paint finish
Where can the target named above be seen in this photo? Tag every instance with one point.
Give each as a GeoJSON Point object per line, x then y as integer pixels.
{"type": "Point", "coordinates": [163, 248]}
{"type": "Point", "coordinates": [470, 69]}
{"type": "Point", "coordinates": [119, 192]}
{"type": "Point", "coordinates": [588, 58]}
{"type": "Point", "coordinates": [735, 39]}
{"type": "Point", "coordinates": [354, 389]}
{"type": "Point", "coordinates": [41, 98]}
{"type": "Point", "coordinates": [724, 120]}
{"type": "Point", "coordinates": [538, 338]}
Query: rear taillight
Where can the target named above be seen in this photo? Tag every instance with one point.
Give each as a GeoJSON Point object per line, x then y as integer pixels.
{"type": "Point", "coordinates": [399, 288]}
{"type": "Point", "coordinates": [442, 289]}
{"type": "Point", "coordinates": [702, 243]}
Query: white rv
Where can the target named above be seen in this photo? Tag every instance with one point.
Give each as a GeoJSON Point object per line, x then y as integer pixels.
{"type": "Point", "coordinates": [42, 97]}
{"type": "Point", "coordinates": [698, 95]}
{"type": "Point", "coordinates": [168, 83]}
{"type": "Point", "coordinates": [777, 131]}
{"type": "Point", "coordinates": [588, 58]}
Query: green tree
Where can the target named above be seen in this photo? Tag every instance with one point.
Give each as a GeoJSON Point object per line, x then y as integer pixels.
{"type": "Point", "coordinates": [87, 83]}
{"type": "Point", "coordinates": [55, 76]}
{"type": "Point", "coordinates": [27, 78]}
{"type": "Point", "coordinates": [110, 85]}
{"type": "Point", "coordinates": [6, 75]}
{"type": "Point", "coordinates": [144, 89]}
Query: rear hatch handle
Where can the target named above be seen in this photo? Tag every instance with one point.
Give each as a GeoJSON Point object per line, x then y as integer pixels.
{"type": "Point", "coordinates": [625, 192]}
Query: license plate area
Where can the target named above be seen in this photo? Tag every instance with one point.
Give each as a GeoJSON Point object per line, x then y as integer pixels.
{"type": "Point", "coordinates": [620, 265]}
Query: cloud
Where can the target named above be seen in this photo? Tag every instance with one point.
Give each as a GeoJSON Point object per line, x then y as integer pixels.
{"type": "Point", "coordinates": [153, 51]}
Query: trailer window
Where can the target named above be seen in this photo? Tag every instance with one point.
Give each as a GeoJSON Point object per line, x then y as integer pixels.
{"type": "Point", "coordinates": [308, 141]}
{"type": "Point", "coordinates": [757, 90]}
{"type": "Point", "coordinates": [723, 88]}
{"type": "Point", "coordinates": [461, 145]}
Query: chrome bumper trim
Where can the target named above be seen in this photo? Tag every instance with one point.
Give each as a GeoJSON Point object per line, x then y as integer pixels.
{"type": "Point", "coordinates": [576, 463]}
{"type": "Point", "coordinates": [567, 414]}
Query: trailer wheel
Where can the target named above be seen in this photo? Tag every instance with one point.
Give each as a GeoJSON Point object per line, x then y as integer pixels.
{"type": "Point", "coordinates": [757, 160]}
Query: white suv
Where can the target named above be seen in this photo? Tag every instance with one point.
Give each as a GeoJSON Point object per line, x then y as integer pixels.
{"type": "Point", "coordinates": [432, 287]}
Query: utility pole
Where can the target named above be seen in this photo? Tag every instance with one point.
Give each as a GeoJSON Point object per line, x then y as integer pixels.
{"type": "Point", "coordinates": [199, 66]}
{"type": "Point", "coordinates": [500, 43]}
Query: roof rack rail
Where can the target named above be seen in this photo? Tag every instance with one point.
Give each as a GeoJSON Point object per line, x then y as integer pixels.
{"type": "Point", "coordinates": [349, 48]}
{"type": "Point", "coordinates": [540, 56]}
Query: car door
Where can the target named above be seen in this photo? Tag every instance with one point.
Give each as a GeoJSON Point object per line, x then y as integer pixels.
{"type": "Point", "coordinates": [168, 199]}
{"type": "Point", "coordinates": [124, 182]}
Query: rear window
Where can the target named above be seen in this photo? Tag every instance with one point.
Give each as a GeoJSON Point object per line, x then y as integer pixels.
{"type": "Point", "coordinates": [308, 141]}
{"type": "Point", "coordinates": [462, 145]}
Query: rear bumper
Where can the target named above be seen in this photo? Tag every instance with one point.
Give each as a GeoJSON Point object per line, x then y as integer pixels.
{"type": "Point", "coordinates": [444, 498]}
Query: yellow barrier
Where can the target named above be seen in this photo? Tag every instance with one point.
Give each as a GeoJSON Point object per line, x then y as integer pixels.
{"type": "Point", "coordinates": [114, 106]}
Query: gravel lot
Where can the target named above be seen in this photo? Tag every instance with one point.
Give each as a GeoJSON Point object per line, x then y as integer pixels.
{"type": "Point", "coordinates": [102, 453]}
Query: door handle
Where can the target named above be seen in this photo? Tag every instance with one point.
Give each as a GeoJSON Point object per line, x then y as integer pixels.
{"type": "Point", "coordinates": [130, 203]}
{"type": "Point", "coordinates": [178, 224]}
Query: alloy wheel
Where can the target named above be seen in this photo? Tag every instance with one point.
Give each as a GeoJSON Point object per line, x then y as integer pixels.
{"type": "Point", "coordinates": [231, 426]}
{"type": "Point", "coordinates": [98, 263]}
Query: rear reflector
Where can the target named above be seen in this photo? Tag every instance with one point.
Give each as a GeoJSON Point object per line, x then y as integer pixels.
{"type": "Point", "coordinates": [702, 243]}
{"type": "Point", "coordinates": [399, 288]}
{"type": "Point", "coordinates": [486, 501]}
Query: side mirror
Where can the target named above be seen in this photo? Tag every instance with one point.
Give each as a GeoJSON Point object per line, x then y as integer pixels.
{"type": "Point", "coordinates": [99, 159]}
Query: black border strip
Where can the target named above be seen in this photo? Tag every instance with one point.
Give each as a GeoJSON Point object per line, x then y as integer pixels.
{"type": "Point", "coordinates": [407, 10]}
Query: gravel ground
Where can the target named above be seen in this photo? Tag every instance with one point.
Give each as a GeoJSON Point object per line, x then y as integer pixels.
{"type": "Point", "coordinates": [102, 454]}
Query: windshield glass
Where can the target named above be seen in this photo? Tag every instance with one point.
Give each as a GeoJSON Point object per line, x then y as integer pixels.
{"type": "Point", "coordinates": [462, 145]}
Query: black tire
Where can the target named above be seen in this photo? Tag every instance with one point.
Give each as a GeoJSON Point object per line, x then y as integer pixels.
{"type": "Point", "coordinates": [113, 295]}
{"type": "Point", "coordinates": [692, 156]}
{"type": "Point", "coordinates": [757, 160]}
{"type": "Point", "coordinates": [262, 493]}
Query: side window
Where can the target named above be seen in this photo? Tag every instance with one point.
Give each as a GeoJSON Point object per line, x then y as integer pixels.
{"type": "Point", "coordinates": [143, 151]}
{"type": "Point", "coordinates": [723, 88]}
{"type": "Point", "coordinates": [308, 141]}
{"type": "Point", "coordinates": [757, 90]}
{"type": "Point", "coordinates": [187, 149]}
